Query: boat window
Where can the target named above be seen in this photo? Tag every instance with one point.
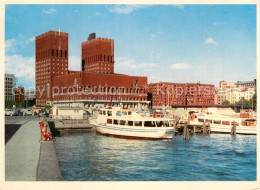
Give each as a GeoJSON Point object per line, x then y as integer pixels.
{"type": "Point", "coordinates": [104, 112]}
{"type": "Point", "coordinates": [115, 122]}
{"type": "Point", "coordinates": [100, 112]}
{"type": "Point", "coordinates": [165, 124]}
{"type": "Point", "coordinates": [109, 121]}
{"type": "Point", "coordinates": [130, 123]}
{"type": "Point", "coordinates": [109, 113]}
{"type": "Point", "coordinates": [124, 113]}
{"type": "Point", "coordinates": [217, 122]}
{"type": "Point", "coordinates": [209, 120]}
{"type": "Point", "coordinates": [129, 113]}
{"type": "Point", "coordinates": [225, 122]}
{"type": "Point", "coordinates": [159, 123]}
{"type": "Point", "coordinates": [149, 124]}
{"type": "Point", "coordinates": [201, 120]}
{"type": "Point", "coordinates": [118, 113]}
{"type": "Point", "coordinates": [138, 123]}
{"type": "Point", "coordinates": [237, 124]}
{"type": "Point", "coordinates": [122, 122]}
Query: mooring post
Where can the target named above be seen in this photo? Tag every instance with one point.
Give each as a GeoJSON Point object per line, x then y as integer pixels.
{"type": "Point", "coordinates": [186, 135]}
{"type": "Point", "coordinates": [184, 130]}
{"type": "Point", "coordinates": [233, 129]}
{"type": "Point", "coordinates": [204, 127]}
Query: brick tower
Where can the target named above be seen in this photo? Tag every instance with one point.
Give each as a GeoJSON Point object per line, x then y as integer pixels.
{"type": "Point", "coordinates": [97, 55]}
{"type": "Point", "coordinates": [51, 59]}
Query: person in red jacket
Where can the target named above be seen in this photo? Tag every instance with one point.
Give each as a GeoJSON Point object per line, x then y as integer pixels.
{"type": "Point", "coordinates": [46, 136]}
{"type": "Point", "coordinates": [41, 125]}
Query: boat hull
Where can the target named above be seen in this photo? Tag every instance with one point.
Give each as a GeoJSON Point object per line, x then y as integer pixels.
{"type": "Point", "coordinates": [239, 129]}
{"type": "Point", "coordinates": [136, 132]}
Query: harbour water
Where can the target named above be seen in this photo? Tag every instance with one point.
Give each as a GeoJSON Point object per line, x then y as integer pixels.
{"type": "Point", "coordinates": [217, 157]}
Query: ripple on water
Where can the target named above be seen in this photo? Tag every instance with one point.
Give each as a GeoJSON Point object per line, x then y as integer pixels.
{"type": "Point", "coordinates": [93, 157]}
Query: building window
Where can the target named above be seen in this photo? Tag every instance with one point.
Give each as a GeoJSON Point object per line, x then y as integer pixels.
{"type": "Point", "coordinates": [57, 53]}
{"type": "Point", "coordinates": [104, 58]}
{"type": "Point", "coordinates": [100, 58]}
{"type": "Point", "coordinates": [61, 53]}
{"type": "Point", "coordinates": [65, 53]}
{"type": "Point", "coordinates": [108, 58]}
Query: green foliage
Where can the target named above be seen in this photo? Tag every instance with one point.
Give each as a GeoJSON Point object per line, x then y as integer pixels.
{"type": "Point", "coordinates": [226, 103]}
{"type": "Point", "coordinates": [254, 101]}
{"type": "Point", "coordinates": [10, 103]}
{"type": "Point", "coordinates": [244, 102]}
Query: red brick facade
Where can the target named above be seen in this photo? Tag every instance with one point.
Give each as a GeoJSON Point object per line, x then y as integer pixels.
{"type": "Point", "coordinates": [51, 59]}
{"type": "Point", "coordinates": [179, 94]}
{"type": "Point", "coordinates": [54, 82]}
{"type": "Point", "coordinates": [19, 94]}
{"type": "Point", "coordinates": [97, 81]}
{"type": "Point", "coordinates": [91, 86]}
{"type": "Point", "coordinates": [98, 55]}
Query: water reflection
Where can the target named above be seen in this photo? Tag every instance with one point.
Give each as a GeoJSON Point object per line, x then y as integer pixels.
{"type": "Point", "coordinates": [90, 156]}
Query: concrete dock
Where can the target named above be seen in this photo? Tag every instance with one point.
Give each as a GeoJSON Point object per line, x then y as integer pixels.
{"type": "Point", "coordinates": [26, 158]}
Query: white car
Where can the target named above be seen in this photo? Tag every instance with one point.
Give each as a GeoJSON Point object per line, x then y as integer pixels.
{"type": "Point", "coordinates": [10, 112]}
{"type": "Point", "coordinates": [27, 112]}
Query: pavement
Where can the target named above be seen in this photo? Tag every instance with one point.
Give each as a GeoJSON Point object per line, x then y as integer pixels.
{"type": "Point", "coordinates": [25, 155]}
{"type": "Point", "coordinates": [48, 167]}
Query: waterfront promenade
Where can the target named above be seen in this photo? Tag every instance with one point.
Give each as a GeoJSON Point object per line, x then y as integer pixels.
{"type": "Point", "coordinates": [26, 158]}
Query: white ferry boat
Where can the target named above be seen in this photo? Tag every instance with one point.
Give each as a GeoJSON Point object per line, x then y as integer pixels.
{"type": "Point", "coordinates": [122, 122]}
{"type": "Point", "coordinates": [223, 124]}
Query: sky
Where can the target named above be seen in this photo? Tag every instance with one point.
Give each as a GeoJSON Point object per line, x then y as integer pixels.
{"type": "Point", "coordinates": [169, 43]}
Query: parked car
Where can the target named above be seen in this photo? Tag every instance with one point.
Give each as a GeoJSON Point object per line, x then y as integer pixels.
{"type": "Point", "coordinates": [10, 112]}
{"type": "Point", "coordinates": [13, 112]}
{"type": "Point", "coordinates": [43, 112]}
{"type": "Point", "coordinates": [27, 112]}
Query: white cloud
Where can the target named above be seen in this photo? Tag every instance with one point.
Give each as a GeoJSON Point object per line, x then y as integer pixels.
{"type": "Point", "coordinates": [210, 41]}
{"type": "Point", "coordinates": [75, 63]}
{"type": "Point", "coordinates": [126, 9]}
{"type": "Point", "coordinates": [32, 39]}
{"type": "Point", "coordinates": [22, 67]}
{"type": "Point", "coordinates": [181, 66]}
{"type": "Point", "coordinates": [49, 11]}
{"type": "Point", "coordinates": [125, 63]}
{"type": "Point", "coordinates": [11, 45]}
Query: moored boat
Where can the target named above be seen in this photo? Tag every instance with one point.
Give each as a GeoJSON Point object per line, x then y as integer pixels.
{"type": "Point", "coordinates": [223, 124]}
{"type": "Point", "coordinates": [125, 123]}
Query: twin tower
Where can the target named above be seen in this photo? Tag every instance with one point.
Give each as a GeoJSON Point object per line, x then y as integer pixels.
{"type": "Point", "coordinates": [51, 59]}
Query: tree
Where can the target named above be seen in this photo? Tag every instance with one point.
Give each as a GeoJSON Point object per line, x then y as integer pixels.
{"type": "Point", "coordinates": [243, 102]}
{"type": "Point", "coordinates": [254, 101]}
{"type": "Point", "coordinates": [225, 102]}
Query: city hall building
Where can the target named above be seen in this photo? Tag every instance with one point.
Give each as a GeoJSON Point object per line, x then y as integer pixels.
{"type": "Point", "coordinates": [96, 85]}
